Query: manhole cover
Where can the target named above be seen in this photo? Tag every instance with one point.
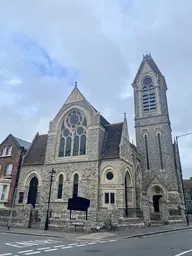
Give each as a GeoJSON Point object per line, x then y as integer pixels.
{"type": "Point", "coordinates": [93, 251]}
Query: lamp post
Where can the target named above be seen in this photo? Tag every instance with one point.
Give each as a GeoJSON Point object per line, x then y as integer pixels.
{"type": "Point", "coordinates": [49, 199]}
{"type": "Point", "coordinates": [180, 167]}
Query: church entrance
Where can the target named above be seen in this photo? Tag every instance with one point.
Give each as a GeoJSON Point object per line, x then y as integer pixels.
{"type": "Point", "coordinates": [32, 195]}
{"type": "Point", "coordinates": [156, 199]}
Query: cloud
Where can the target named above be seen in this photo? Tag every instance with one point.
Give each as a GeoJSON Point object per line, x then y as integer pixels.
{"type": "Point", "coordinates": [47, 45]}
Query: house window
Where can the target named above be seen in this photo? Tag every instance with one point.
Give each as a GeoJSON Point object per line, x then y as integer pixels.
{"type": "Point", "coordinates": [148, 95]}
{"type": "Point", "coordinates": [75, 185]}
{"type": "Point", "coordinates": [160, 150]}
{"type": "Point", "coordinates": [109, 198]}
{"type": "Point", "coordinates": [4, 151]}
{"type": "Point", "coordinates": [60, 187]}
{"type": "Point", "coordinates": [21, 197]}
{"type": "Point", "coordinates": [146, 152]}
{"type": "Point", "coordinates": [4, 191]}
{"type": "Point", "coordinates": [9, 169]}
{"type": "Point", "coordinates": [73, 134]}
{"type": "Point", "coordinates": [9, 150]}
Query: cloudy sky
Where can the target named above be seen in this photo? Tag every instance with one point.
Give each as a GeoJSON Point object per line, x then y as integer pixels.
{"type": "Point", "coordinates": [46, 45]}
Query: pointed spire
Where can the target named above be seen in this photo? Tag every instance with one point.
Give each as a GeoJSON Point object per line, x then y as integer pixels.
{"type": "Point", "coordinates": [125, 128]}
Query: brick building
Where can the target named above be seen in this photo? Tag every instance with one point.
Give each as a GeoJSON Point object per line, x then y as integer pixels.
{"type": "Point", "coordinates": [188, 194]}
{"type": "Point", "coordinates": [12, 150]}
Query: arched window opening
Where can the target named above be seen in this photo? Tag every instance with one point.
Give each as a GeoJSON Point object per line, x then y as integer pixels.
{"type": "Point", "coordinates": [127, 184]}
{"type": "Point", "coordinates": [9, 150]}
{"type": "Point", "coordinates": [146, 152]}
{"type": "Point", "coordinates": [160, 150]}
{"type": "Point", "coordinates": [60, 187]}
{"type": "Point", "coordinates": [73, 134]}
{"type": "Point", "coordinates": [33, 188]}
{"type": "Point", "coordinates": [148, 95]}
{"type": "Point", "coordinates": [75, 185]}
{"type": "Point", "coordinates": [4, 151]}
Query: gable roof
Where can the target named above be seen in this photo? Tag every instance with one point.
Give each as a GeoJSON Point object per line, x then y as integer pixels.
{"type": "Point", "coordinates": [149, 60]}
{"type": "Point", "coordinates": [19, 142]}
{"type": "Point", "coordinates": [22, 143]}
{"type": "Point", "coordinates": [112, 140]}
{"type": "Point", "coordinates": [36, 153]}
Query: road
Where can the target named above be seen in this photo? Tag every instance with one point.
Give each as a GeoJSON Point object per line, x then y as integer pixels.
{"type": "Point", "coordinates": [168, 244]}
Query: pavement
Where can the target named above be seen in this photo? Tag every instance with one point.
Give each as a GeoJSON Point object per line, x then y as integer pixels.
{"type": "Point", "coordinates": [130, 232]}
{"type": "Point", "coordinates": [169, 244]}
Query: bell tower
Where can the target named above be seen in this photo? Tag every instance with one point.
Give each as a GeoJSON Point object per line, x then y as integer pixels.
{"type": "Point", "coordinates": [154, 135]}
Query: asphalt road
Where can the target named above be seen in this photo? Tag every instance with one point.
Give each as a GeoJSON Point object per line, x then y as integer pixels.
{"type": "Point", "coordinates": [168, 244]}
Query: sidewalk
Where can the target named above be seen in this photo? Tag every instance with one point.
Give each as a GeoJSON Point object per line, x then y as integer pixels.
{"type": "Point", "coordinates": [129, 233]}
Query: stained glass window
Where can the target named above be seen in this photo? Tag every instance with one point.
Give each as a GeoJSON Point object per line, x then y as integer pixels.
{"type": "Point", "coordinates": [73, 134]}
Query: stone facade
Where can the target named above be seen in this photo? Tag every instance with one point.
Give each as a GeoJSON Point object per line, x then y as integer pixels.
{"type": "Point", "coordinates": [95, 160]}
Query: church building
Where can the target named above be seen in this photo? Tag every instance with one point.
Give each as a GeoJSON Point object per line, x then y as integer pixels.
{"type": "Point", "coordinates": [95, 164]}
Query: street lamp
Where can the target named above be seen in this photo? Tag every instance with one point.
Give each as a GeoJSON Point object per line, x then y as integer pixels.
{"type": "Point", "coordinates": [49, 199]}
{"type": "Point", "coordinates": [180, 167]}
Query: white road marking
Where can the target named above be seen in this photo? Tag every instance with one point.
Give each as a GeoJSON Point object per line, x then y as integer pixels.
{"type": "Point", "coordinates": [80, 245]}
{"type": "Point", "coordinates": [92, 243]}
{"type": "Point", "coordinates": [25, 251]}
{"type": "Point", "coordinates": [51, 250]}
{"type": "Point", "coordinates": [112, 241]}
{"type": "Point", "coordinates": [45, 248]}
{"type": "Point", "coordinates": [102, 242]}
{"type": "Point", "coordinates": [72, 244]}
{"type": "Point", "coordinates": [6, 254]}
{"type": "Point", "coordinates": [182, 253]}
{"type": "Point", "coordinates": [30, 253]}
{"type": "Point", "coordinates": [58, 246]}
{"type": "Point", "coordinates": [67, 247]}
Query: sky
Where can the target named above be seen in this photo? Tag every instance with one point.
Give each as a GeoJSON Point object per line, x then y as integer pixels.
{"type": "Point", "coordinates": [47, 45]}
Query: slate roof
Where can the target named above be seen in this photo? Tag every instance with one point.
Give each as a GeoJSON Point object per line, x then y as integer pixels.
{"type": "Point", "coordinates": [22, 143]}
{"type": "Point", "coordinates": [36, 153]}
{"type": "Point", "coordinates": [112, 140]}
{"type": "Point", "coordinates": [187, 183]}
{"type": "Point", "coordinates": [151, 63]}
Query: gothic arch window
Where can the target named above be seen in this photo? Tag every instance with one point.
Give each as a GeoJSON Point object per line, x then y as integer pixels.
{"type": "Point", "coordinates": [160, 150]}
{"type": "Point", "coordinates": [128, 183]}
{"type": "Point", "coordinates": [4, 151]}
{"type": "Point", "coordinates": [148, 95]}
{"type": "Point", "coordinates": [60, 187]}
{"type": "Point", "coordinates": [75, 185]}
{"type": "Point", "coordinates": [146, 152]}
{"type": "Point", "coordinates": [73, 135]}
{"type": "Point", "coordinates": [9, 150]}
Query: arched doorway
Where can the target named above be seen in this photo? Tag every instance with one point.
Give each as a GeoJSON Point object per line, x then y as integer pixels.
{"type": "Point", "coordinates": [33, 188]}
{"type": "Point", "coordinates": [127, 185]}
{"type": "Point", "coordinates": [157, 194]}
{"type": "Point", "coordinates": [156, 199]}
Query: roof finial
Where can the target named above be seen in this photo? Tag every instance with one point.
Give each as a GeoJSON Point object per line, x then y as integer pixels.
{"type": "Point", "coordinates": [75, 84]}
{"type": "Point", "coordinates": [147, 55]}
{"type": "Point", "coordinates": [124, 115]}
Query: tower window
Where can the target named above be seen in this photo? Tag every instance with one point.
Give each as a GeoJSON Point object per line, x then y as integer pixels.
{"type": "Point", "coordinates": [160, 150]}
{"type": "Point", "coordinates": [148, 95]}
{"type": "Point", "coordinates": [146, 152]}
